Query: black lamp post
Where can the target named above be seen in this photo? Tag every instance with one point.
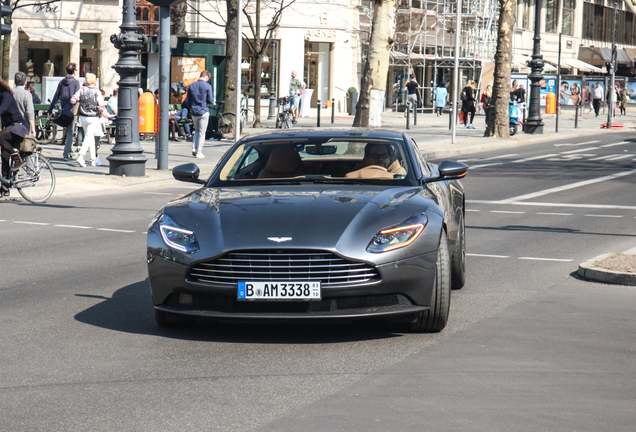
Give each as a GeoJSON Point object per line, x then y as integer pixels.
{"type": "Point", "coordinates": [534, 123]}
{"type": "Point", "coordinates": [127, 158]}
{"type": "Point", "coordinates": [272, 83]}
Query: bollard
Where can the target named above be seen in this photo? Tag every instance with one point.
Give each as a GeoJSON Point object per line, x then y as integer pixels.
{"type": "Point", "coordinates": [408, 117]}
{"type": "Point", "coordinates": [450, 117]}
{"type": "Point", "coordinates": [318, 116]}
{"type": "Point", "coordinates": [415, 114]}
{"type": "Point", "coordinates": [576, 116]}
{"type": "Point", "coordinates": [333, 107]}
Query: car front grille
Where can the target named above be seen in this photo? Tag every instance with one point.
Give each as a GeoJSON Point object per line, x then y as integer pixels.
{"type": "Point", "coordinates": [282, 265]}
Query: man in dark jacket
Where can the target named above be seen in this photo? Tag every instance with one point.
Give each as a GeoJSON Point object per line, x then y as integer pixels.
{"type": "Point", "coordinates": [65, 90]}
{"type": "Point", "coordinates": [199, 96]}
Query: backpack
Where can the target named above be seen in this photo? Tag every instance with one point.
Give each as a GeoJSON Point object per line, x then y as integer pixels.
{"type": "Point", "coordinates": [463, 96]}
{"type": "Point", "coordinates": [487, 101]}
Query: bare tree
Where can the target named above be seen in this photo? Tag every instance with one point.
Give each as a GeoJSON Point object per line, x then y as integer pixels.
{"type": "Point", "coordinates": [499, 115]}
{"type": "Point", "coordinates": [376, 67]}
{"type": "Point", "coordinates": [231, 54]}
{"type": "Point", "coordinates": [177, 17]}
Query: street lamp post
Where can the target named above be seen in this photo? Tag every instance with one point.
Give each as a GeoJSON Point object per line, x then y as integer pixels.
{"type": "Point", "coordinates": [272, 84]}
{"type": "Point", "coordinates": [127, 155]}
{"type": "Point", "coordinates": [534, 123]}
{"type": "Point", "coordinates": [610, 91]}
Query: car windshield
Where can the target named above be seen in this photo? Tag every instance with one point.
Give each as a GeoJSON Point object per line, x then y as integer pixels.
{"type": "Point", "coordinates": [327, 159]}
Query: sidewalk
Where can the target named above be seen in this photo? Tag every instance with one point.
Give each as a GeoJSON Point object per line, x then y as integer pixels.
{"type": "Point", "coordinates": [432, 135]}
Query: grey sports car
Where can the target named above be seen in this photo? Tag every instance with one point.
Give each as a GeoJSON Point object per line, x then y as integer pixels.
{"type": "Point", "coordinates": [315, 224]}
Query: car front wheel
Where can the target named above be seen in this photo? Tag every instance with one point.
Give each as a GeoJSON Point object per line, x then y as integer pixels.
{"type": "Point", "coordinates": [434, 320]}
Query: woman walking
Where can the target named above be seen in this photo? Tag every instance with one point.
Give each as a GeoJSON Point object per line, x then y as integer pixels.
{"type": "Point", "coordinates": [622, 97]}
{"type": "Point", "coordinates": [13, 132]}
{"type": "Point", "coordinates": [486, 97]}
{"type": "Point", "coordinates": [468, 104]}
{"type": "Point", "coordinates": [91, 105]}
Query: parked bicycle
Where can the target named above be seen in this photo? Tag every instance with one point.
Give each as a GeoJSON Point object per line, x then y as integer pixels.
{"type": "Point", "coordinates": [226, 119]}
{"type": "Point", "coordinates": [35, 180]}
{"type": "Point", "coordinates": [284, 119]}
{"type": "Point", "coordinates": [45, 129]}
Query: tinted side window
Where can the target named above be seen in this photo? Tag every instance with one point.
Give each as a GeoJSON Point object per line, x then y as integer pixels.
{"type": "Point", "coordinates": [420, 158]}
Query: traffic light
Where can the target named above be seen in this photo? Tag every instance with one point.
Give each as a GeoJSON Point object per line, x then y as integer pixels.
{"type": "Point", "coordinates": [5, 13]}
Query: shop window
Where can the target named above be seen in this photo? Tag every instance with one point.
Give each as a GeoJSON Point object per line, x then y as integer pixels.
{"type": "Point", "coordinates": [551, 16]}
{"type": "Point", "coordinates": [89, 54]}
{"type": "Point", "coordinates": [567, 25]}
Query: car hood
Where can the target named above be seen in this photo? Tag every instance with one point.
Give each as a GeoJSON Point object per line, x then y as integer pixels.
{"type": "Point", "coordinates": [343, 219]}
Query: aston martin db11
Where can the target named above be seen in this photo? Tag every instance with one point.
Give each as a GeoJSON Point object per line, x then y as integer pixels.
{"type": "Point", "coordinates": [312, 225]}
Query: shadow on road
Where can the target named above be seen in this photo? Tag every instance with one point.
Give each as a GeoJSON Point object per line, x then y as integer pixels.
{"type": "Point", "coordinates": [130, 310]}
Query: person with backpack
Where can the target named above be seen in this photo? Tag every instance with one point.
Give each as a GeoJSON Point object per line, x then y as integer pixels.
{"type": "Point", "coordinates": [486, 99]}
{"type": "Point", "coordinates": [65, 90]}
{"type": "Point", "coordinates": [468, 104]}
{"type": "Point", "coordinates": [441, 94]}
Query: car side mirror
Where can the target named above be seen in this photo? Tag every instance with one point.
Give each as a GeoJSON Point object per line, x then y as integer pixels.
{"type": "Point", "coordinates": [187, 173]}
{"type": "Point", "coordinates": [450, 170]}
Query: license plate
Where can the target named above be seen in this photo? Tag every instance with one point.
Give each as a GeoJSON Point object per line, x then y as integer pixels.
{"type": "Point", "coordinates": [279, 290]}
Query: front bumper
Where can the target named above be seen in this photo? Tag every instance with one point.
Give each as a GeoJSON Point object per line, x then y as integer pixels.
{"type": "Point", "coordinates": [405, 288]}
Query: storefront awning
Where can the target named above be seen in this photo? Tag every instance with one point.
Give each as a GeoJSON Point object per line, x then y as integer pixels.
{"type": "Point", "coordinates": [519, 60]}
{"type": "Point", "coordinates": [567, 63]}
{"type": "Point", "coordinates": [599, 56]}
{"type": "Point", "coordinates": [631, 53]}
{"type": "Point", "coordinates": [50, 35]}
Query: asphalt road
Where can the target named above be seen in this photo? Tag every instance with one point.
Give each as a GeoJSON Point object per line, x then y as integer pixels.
{"type": "Point", "coordinates": [528, 346]}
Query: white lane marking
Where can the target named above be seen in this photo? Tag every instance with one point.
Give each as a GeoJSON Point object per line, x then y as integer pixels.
{"type": "Point", "coordinates": [621, 157]}
{"type": "Point", "coordinates": [534, 158]}
{"type": "Point", "coordinates": [472, 210]}
{"type": "Point", "coordinates": [487, 256]}
{"type": "Point", "coordinates": [572, 157]}
{"type": "Point", "coordinates": [507, 211]}
{"type": "Point", "coordinates": [547, 204]}
{"type": "Point", "coordinates": [73, 226]}
{"type": "Point", "coordinates": [502, 156]}
{"type": "Point", "coordinates": [546, 259]}
{"type": "Point", "coordinates": [115, 230]}
{"type": "Point", "coordinates": [605, 216]}
{"type": "Point", "coordinates": [617, 144]}
{"type": "Point", "coordinates": [580, 150]}
{"type": "Point", "coordinates": [577, 144]}
{"type": "Point", "coordinates": [553, 214]}
{"type": "Point", "coordinates": [3, 220]}
{"type": "Point", "coordinates": [31, 223]}
{"type": "Point", "coordinates": [568, 187]}
{"type": "Point", "coordinates": [604, 157]}
{"type": "Point", "coordinates": [485, 165]}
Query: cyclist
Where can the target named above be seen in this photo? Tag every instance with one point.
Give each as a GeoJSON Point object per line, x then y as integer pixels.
{"type": "Point", "coordinates": [296, 88]}
{"type": "Point", "coordinates": [14, 129]}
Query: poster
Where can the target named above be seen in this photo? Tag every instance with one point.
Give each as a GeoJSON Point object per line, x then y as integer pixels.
{"type": "Point", "coordinates": [183, 72]}
{"type": "Point", "coordinates": [570, 90]}
{"type": "Point", "coordinates": [631, 92]}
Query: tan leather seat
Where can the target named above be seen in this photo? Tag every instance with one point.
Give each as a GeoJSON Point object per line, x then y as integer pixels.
{"type": "Point", "coordinates": [284, 161]}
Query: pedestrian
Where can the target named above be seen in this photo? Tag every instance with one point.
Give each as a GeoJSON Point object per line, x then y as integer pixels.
{"type": "Point", "coordinates": [112, 106]}
{"type": "Point", "coordinates": [468, 104]}
{"type": "Point", "coordinates": [34, 95]}
{"type": "Point", "coordinates": [199, 95]}
{"type": "Point", "coordinates": [622, 100]}
{"type": "Point", "coordinates": [411, 89]}
{"type": "Point", "coordinates": [441, 95]}
{"type": "Point", "coordinates": [513, 90]}
{"type": "Point", "coordinates": [597, 98]}
{"type": "Point", "coordinates": [296, 88]}
{"type": "Point", "coordinates": [520, 97]}
{"type": "Point", "coordinates": [65, 90]}
{"type": "Point", "coordinates": [587, 98]}
{"type": "Point", "coordinates": [175, 119]}
{"type": "Point", "coordinates": [91, 106]}
{"type": "Point", "coordinates": [13, 132]}
{"type": "Point", "coordinates": [24, 100]}
{"type": "Point", "coordinates": [486, 99]}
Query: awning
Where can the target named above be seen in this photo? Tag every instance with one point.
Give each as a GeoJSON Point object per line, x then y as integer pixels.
{"type": "Point", "coordinates": [50, 35]}
{"type": "Point", "coordinates": [631, 53]}
{"type": "Point", "coordinates": [567, 63]}
{"type": "Point", "coordinates": [520, 60]}
{"type": "Point", "coordinates": [599, 56]}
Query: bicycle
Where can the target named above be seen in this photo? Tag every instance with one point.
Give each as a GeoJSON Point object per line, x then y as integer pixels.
{"type": "Point", "coordinates": [285, 119]}
{"type": "Point", "coordinates": [35, 180]}
{"type": "Point", "coordinates": [226, 119]}
{"type": "Point", "coordinates": [45, 129]}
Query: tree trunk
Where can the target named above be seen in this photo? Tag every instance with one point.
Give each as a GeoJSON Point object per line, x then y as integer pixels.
{"type": "Point", "coordinates": [178, 19]}
{"type": "Point", "coordinates": [6, 47]}
{"type": "Point", "coordinates": [376, 67]}
{"type": "Point", "coordinates": [498, 117]}
{"type": "Point", "coordinates": [232, 88]}
{"type": "Point", "coordinates": [258, 66]}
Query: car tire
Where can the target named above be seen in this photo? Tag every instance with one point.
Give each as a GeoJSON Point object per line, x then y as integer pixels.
{"type": "Point", "coordinates": [458, 259]}
{"type": "Point", "coordinates": [171, 320]}
{"type": "Point", "coordinates": [434, 320]}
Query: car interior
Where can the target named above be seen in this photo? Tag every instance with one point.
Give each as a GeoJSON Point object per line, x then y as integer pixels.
{"type": "Point", "coordinates": [339, 159]}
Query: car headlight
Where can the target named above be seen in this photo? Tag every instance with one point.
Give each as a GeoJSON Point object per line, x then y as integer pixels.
{"type": "Point", "coordinates": [176, 236]}
{"type": "Point", "coordinates": [398, 236]}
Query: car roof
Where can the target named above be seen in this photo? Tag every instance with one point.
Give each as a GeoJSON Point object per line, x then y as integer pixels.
{"type": "Point", "coordinates": [324, 133]}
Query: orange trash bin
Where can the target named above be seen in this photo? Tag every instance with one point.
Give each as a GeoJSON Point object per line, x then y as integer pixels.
{"type": "Point", "coordinates": [147, 113]}
{"type": "Point", "coordinates": [550, 103]}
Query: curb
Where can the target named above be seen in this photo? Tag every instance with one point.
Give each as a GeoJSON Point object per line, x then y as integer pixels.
{"type": "Point", "coordinates": [590, 271]}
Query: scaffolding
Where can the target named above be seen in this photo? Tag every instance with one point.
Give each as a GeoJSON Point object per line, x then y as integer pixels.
{"type": "Point", "coordinates": [425, 41]}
